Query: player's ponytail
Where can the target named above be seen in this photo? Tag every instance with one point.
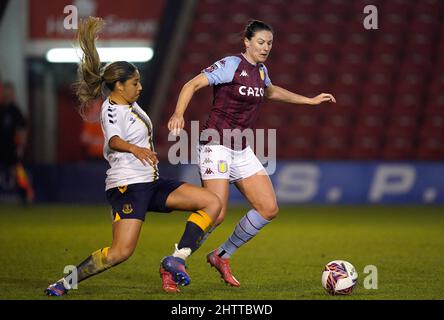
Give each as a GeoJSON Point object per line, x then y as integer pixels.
{"type": "Point", "coordinates": [90, 77]}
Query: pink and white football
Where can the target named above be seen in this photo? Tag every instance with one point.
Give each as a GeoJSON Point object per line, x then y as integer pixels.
{"type": "Point", "coordinates": [339, 277]}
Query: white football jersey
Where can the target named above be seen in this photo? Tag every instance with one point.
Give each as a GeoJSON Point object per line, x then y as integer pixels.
{"type": "Point", "coordinates": [133, 125]}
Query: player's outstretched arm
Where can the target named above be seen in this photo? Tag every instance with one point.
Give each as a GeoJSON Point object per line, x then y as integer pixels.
{"type": "Point", "coordinates": [279, 94]}
{"type": "Point", "coordinates": [176, 122]}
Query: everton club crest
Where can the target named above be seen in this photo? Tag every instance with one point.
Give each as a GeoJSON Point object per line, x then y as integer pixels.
{"type": "Point", "coordinates": [127, 208]}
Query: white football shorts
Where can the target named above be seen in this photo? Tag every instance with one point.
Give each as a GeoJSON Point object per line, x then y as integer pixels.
{"type": "Point", "coordinates": [220, 162]}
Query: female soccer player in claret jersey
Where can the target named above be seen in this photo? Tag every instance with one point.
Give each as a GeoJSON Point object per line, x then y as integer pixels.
{"type": "Point", "coordinates": [240, 82]}
{"type": "Point", "coordinates": [133, 184]}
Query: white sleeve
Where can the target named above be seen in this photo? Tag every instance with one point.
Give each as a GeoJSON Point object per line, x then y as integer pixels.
{"type": "Point", "coordinates": [112, 123]}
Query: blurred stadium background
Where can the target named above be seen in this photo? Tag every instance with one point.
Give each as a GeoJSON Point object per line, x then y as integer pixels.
{"type": "Point", "coordinates": [388, 83]}
{"type": "Point", "coordinates": [382, 143]}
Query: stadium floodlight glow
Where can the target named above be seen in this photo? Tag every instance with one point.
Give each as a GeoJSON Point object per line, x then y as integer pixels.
{"type": "Point", "coordinates": [71, 55]}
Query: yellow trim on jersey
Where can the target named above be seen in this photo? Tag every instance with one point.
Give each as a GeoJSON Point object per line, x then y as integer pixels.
{"type": "Point", "coordinates": [201, 219]}
{"type": "Point", "coordinates": [117, 218]}
{"type": "Point", "coordinates": [150, 139]}
{"type": "Point", "coordinates": [122, 189]}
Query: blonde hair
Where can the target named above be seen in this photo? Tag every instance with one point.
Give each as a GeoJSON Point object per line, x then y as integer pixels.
{"type": "Point", "coordinates": [91, 76]}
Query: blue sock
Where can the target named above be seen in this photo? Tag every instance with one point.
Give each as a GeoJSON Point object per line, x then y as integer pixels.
{"type": "Point", "coordinates": [247, 228]}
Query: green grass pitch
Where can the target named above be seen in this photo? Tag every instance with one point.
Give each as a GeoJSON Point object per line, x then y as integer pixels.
{"type": "Point", "coordinates": [284, 261]}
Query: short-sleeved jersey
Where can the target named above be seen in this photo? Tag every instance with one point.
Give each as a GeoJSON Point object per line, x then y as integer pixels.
{"type": "Point", "coordinates": [239, 88]}
{"type": "Point", "coordinates": [132, 124]}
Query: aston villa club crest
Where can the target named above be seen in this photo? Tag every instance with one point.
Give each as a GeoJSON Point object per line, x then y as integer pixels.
{"type": "Point", "coordinates": [262, 73]}
{"type": "Point", "coordinates": [222, 166]}
{"type": "Point", "coordinates": [127, 208]}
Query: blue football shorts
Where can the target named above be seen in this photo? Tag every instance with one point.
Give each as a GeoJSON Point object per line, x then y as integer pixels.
{"type": "Point", "coordinates": [135, 200]}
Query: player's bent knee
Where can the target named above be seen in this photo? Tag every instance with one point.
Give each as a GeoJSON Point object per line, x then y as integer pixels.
{"type": "Point", "coordinates": [269, 211]}
{"type": "Point", "coordinates": [220, 218]}
{"type": "Point", "coordinates": [124, 255]}
{"type": "Point", "coordinates": [212, 205]}
{"type": "Point", "coordinates": [274, 211]}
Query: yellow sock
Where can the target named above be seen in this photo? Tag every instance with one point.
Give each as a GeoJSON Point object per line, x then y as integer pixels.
{"type": "Point", "coordinates": [197, 225]}
{"type": "Point", "coordinates": [99, 258]}
{"type": "Point", "coordinates": [202, 219]}
{"type": "Point", "coordinates": [94, 264]}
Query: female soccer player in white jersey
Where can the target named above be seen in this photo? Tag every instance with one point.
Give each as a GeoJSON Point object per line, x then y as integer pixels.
{"type": "Point", "coordinates": [240, 83]}
{"type": "Point", "coordinates": [133, 185]}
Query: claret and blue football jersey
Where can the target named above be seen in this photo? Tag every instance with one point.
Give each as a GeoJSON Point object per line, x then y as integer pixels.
{"type": "Point", "coordinates": [239, 89]}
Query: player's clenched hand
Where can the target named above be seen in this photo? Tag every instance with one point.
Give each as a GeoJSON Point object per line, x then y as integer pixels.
{"type": "Point", "coordinates": [145, 155]}
{"type": "Point", "coordinates": [323, 97]}
{"type": "Point", "coordinates": [176, 123]}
